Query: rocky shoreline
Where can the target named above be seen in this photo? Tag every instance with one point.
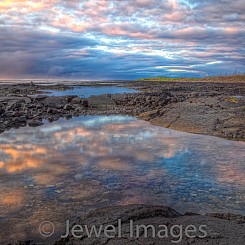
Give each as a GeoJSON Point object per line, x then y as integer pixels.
{"type": "Point", "coordinates": [220, 228]}
{"type": "Point", "coordinates": [224, 229]}
{"type": "Point", "coordinates": [215, 109]}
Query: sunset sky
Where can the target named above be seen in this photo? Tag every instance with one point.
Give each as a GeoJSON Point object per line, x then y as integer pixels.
{"type": "Point", "coordinates": [121, 39]}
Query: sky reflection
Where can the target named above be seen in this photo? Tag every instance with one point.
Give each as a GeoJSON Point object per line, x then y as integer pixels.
{"type": "Point", "coordinates": [87, 91]}
{"type": "Point", "coordinates": [59, 170]}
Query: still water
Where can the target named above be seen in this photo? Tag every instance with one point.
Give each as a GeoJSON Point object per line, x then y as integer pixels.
{"type": "Point", "coordinates": [58, 171]}
{"type": "Point", "coordinates": [86, 91]}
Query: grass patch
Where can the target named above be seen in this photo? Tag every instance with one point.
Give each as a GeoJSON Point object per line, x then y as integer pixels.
{"type": "Point", "coordinates": [167, 79]}
{"type": "Point", "coordinates": [233, 100]}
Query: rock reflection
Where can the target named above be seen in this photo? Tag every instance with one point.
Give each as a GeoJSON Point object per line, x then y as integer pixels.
{"type": "Point", "coordinates": [59, 170]}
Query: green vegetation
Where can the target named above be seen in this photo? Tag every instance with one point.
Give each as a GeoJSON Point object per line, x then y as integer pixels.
{"type": "Point", "coordinates": [233, 99]}
{"type": "Point", "coordinates": [167, 79]}
{"type": "Point", "coordinates": [240, 78]}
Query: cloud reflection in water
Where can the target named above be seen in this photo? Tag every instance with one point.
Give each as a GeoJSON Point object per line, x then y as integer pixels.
{"type": "Point", "coordinates": [59, 170]}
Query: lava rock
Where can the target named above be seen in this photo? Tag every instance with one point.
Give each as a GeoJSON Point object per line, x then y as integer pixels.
{"type": "Point", "coordinates": [35, 123]}
{"type": "Point", "coordinates": [67, 107]}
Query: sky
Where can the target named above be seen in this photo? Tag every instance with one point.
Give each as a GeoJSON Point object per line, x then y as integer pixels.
{"type": "Point", "coordinates": [121, 39]}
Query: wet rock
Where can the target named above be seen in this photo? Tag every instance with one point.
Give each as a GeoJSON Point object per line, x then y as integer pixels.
{"type": "Point", "coordinates": [39, 106]}
{"type": "Point", "coordinates": [52, 111]}
{"type": "Point", "coordinates": [102, 101]}
{"type": "Point", "coordinates": [22, 119]}
{"type": "Point", "coordinates": [51, 119]}
{"type": "Point", "coordinates": [119, 98]}
{"type": "Point", "coordinates": [17, 105]}
{"type": "Point", "coordinates": [2, 111]}
{"type": "Point", "coordinates": [76, 100]}
{"type": "Point", "coordinates": [215, 235]}
{"type": "Point", "coordinates": [230, 233]}
{"type": "Point", "coordinates": [35, 123]}
{"type": "Point", "coordinates": [69, 98]}
{"type": "Point", "coordinates": [205, 108]}
{"type": "Point", "coordinates": [55, 102]}
{"type": "Point", "coordinates": [67, 107]}
{"type": "Point", "coordinates": [30, 106]}
{"type": "Point", "coordinates": [149, 114]}
{"type": "Point", "coordinates": [40, 97]}
{"type": "Point", "coordinates": [85, 103]}
{"type": "Point", "coordinates": [49, 110]}
{"type": "Point", "coordinates": [28, 242]}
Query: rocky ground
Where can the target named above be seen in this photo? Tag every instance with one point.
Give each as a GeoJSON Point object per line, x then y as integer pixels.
{"type": "Point", "coordinates": [225, 229]}
{"type": "Point", "coordinates": [220, 228]}
{"type": "Point", "coordinates": [216, 109]}
{"type": "Point", "coordinates": [206, 108]}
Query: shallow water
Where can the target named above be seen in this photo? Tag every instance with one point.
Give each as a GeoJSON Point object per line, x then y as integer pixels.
{"type": "Point", "coordinates": [57, 171]}
{"type": "Point", "coordinates": [86, 91]}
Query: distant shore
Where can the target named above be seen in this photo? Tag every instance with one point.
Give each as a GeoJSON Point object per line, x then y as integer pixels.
{"type": "Point", "coordinates": [208, 107]}
{"type": "Point", "coordinates": [211, 79]}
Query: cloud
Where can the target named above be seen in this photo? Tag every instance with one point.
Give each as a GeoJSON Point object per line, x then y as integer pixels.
{"type": "Point", "coordinates": [119, 39]}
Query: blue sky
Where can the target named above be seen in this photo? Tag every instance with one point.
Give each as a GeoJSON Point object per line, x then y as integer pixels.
{"type": "Point", "coordinates": [122, 39]}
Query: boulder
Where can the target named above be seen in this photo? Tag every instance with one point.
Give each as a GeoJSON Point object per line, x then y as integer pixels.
{"type": "Point", "coordinates": [40, 97]}
{"type": "Point", "coordinates": [22, 118]}
{"type": "Point", "coordinates": [119, 98]}
{"type": "Point", "coordinates": [149, 114]}
{"type": "Point", "coordinates": [2, 111]}
{"type": "Point", "coordinates": [76, 100]}
{"type": "Point", "coordinates": [67, 107]}
{"type": "Point", "coordinates": [55, 102]}
{"type": "Point", "coordinates": [85, 103]}
{"type": "Point", "coordinates": [35, 123]}
{"type": "Point", "coordinates": [101, 101]}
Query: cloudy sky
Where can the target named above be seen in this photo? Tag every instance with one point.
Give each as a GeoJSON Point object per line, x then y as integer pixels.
{"type": "Point", "coordinates": [121, 39]}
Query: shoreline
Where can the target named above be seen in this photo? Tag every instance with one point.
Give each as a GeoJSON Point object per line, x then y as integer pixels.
{"type": "Point", "coordinates": [189, 107]}
{"type": "Point", "coordinates": [219, 228]}
{"type": "Point", "coordinates": [214, 109]}
{"type": "Point", "coordinates": [148, 220]}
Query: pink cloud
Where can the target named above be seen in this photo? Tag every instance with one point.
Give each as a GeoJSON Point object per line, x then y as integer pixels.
{"type": "Point", "coordinates": [123, 30]}
{"type": "Point", "coordinates": [175, 16]}
{"type": "Point", "coordinates": [25, 6]}
{"type": "Point", "coordinates": [69, 22]}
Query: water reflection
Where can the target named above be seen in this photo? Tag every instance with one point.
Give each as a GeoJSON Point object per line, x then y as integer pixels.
{"type": "Point", "coordinates": [59, 170]}
{"type": "Point", "coordinates": [86, 91]}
